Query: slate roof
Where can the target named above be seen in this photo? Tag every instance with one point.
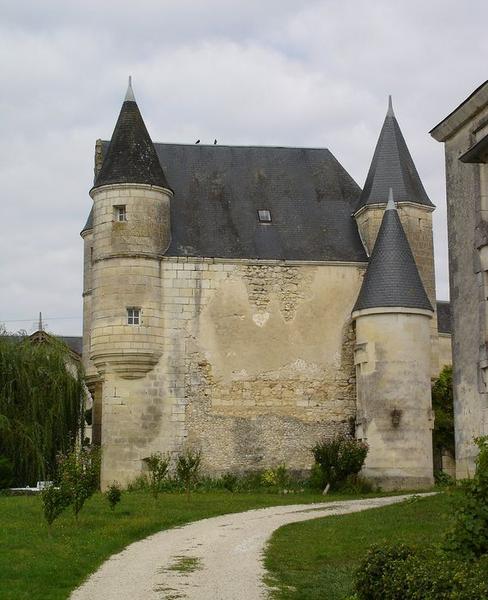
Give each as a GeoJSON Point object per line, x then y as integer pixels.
{"type": "Point", "coordinates": [131, 157]}
{"type": "Point", "coordinates": [89, 221]}
{"type": "Point", "coordinates": [444, 317]}
{"type": "Point", "coordinates": [392, 278]}
{"type": "Point", "coordinates": [219, 189]}
{"type": "Point", "coordinates": [73, 342]}
{"type": "Point", "coordinates": [392, 167]}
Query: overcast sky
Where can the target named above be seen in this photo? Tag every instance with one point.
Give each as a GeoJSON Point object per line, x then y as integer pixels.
{"type": "Point", "coordinates": [268, 72]}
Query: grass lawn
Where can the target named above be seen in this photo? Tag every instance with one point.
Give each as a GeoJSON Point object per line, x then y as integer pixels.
{"type": "Point", "coordinates": [36, 566]}
{"type": "Point", "coordinates": [316, 559]}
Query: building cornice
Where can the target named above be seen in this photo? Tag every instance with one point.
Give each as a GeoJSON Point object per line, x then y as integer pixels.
{"type": "Point", "coordinates": [125, 186]}
{"type": "Point", "coordinates": [469, 108]}
{"type": "Point", "coordinates": [383, 310]}
{"type": "Point", "coordinates": [382, 205]}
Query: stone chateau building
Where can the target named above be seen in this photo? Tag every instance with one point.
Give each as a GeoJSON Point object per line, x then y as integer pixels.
{"type": "Point", "coordinates": [465, 135]}
{"type": "Point", "coordinates": [247, 301]}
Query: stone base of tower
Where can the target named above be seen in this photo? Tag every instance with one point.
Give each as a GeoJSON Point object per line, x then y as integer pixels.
{"type": "Point", "coordinates": [389, 481]}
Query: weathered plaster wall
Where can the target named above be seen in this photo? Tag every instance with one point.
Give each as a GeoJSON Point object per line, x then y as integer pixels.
{"type": "Point", "coordinates": [256, 365]}
{"type": "Point", "coordinates": [467, 222]}
{"type": "Point", "coordinates": [393, 374]}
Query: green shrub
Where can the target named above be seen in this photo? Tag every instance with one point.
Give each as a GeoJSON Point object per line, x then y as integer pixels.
{"type": "Point", "coordinates": [54, 501]}
{"type": "Point", "coordinates": [402, 573]}
{"type": "Point", "coordinates": [277, 477]}
{"type": "Point", "coordinates": [229, 481]}
{"type": "Point", "coordinates": [79, 472]}
{"type": "Point", "coordinates": [338, 458]}
{"type": "Point", "coordinates": [442, 404]}
{"type": "Point", "coordinates": [443, 479]}
{"type": "Point", "coordinates": [375, 567]}
{"type": "Point", "coordinates": [188, 468]}
{"type": "Point", "coordinates": [6, 472]}
{"type": "Point", "coordinates": [139, 484]}
{"type": "Point", "coordinates": [113, 494]}
{"type": "Point", "coordinates": [157, 465]}
{"type": "Point", "coordinates": [355, 484]}
{"type": "Point", "coordinates": [469, 535]}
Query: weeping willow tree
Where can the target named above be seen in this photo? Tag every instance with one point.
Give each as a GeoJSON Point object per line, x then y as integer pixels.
{"type": "Point", "coordinates": [41, 405]}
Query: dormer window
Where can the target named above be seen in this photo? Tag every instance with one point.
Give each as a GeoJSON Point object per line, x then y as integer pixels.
{"type": "Point", "coordinates": [133, 316]}
{"type": "Point", "coordinates": [120, 213]}
{"type": "Point", "coordinates": [264, 216]}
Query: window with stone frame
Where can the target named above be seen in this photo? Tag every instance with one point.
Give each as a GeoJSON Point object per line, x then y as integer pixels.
{"type": "Point", "coordinates": [120, 213]}
{"type": "Point", "coordinates": [133, 315]}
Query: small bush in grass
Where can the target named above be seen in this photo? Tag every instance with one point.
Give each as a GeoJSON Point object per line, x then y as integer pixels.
{"type": "Point", "coordinates": [443, 479]}
{"type": "Point", "coordinates": [277, 477]}
{"type": "Point", "coordinates": [377, 565]}
{"type": "Point", "coordinates": [139, 484]}
{"type": "Point", "coordinates": [338, 458]}
{"type": "Point", "coordinates": [54, 501]}
{"type": "Point", "coordinates": [230, 481]}
{"type": "Point", "coordinates": [113, 494]}
{"type": "Point", "coordinates": [157, 465]}
{"type": "Point", "coordinates": [79, 472]}
{"type": "Point", "coordinates": [355, 484]}
{"type": "Point", "coordinates": [188, 468]}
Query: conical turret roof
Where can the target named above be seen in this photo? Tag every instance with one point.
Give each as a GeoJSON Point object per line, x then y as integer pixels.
{"type": "Point", "coordinates": [89, 222]}
{"type": "Point", "coordinates": [131, 156]}
{"type": "Point", "coordinates": [392, 278]}
{"type": "Point", "coordinates": [392, 166]}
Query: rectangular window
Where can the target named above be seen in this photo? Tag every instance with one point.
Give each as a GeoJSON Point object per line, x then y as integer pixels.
{"type": "Point", "coordinates": [120, 213]}
{"type": "Point", "coordinates": [264, 216]}
{"type": "Point", "coordinates": [133, 316]}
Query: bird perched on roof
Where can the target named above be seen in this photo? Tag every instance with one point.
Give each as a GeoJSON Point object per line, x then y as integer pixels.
{"type": "Point", "coordinates": [197, 142]}
{"type": "Point", "coordinates": [215, 141]}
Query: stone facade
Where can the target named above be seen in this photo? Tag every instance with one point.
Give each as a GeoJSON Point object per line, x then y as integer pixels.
{"type": "Point", "coordinates": [248, 373]}
{"type": "Point", "coordinates": [467, 212]}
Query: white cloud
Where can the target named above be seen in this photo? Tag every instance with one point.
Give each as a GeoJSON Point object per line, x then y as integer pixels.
{"type": "Point", "coordinates": [315, 73]}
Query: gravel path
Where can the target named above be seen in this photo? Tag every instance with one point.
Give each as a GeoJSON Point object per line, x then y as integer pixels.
{"type": "Point", "coordinates": [212, 559]}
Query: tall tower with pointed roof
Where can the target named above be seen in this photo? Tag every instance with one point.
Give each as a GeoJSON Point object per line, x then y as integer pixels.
{"type": "Point", "coordinates": [128, 233]}
{"type": "Point", "coordinates": [392, 166]}
{"type": "Point", "coordinates": [392, 356]}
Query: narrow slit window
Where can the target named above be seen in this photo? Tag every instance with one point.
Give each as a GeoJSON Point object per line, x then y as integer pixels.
{"type": "Point", "coordinates": [264, 216]}
{"type": "Point", "coordinates": [120, 213]}
{"type": "Point", "coordinates": [133, 316]}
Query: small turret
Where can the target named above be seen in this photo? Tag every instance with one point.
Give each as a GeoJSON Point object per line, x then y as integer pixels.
{"type": "Point", "coordinates": [393, 362]}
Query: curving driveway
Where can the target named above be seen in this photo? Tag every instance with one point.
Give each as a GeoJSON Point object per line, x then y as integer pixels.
{"type": "Point", "coordinates": [213, 559]}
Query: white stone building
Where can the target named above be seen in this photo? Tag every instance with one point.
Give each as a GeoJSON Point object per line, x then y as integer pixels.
{"type": "Point", "coordinates": [465, 135]}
